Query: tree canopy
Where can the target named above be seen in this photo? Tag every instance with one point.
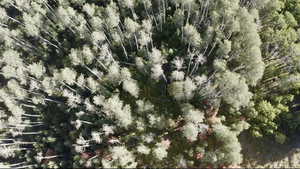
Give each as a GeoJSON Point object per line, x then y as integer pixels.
{"type": "Point", "coordinates": [145, 83]}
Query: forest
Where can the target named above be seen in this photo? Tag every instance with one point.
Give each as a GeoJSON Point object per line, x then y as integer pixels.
{"type": "Point", "coordinates": [147, 83]}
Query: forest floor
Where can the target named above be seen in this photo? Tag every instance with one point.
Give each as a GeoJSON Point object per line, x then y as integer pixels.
{"type": "Point", "coordinates": [269, 154]}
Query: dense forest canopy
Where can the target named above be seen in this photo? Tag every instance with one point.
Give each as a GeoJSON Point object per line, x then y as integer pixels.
{"type": "Point", "coordinates": [145, 83]}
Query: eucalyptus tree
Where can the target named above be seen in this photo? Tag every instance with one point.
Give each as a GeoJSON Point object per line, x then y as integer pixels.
{"type": "Point", "coordinates": [130, 83]}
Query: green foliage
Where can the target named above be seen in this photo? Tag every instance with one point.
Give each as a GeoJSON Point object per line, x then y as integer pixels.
{"type": "Point", "coordinates": [144, 83]}
{"type": "Point", "coordinates": [276, 92]}
{"type": "Point", "coordinates": [234, 89]}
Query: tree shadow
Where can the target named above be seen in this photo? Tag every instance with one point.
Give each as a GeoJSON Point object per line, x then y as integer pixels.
{"type": "Point", "coordinates": [266, 150]}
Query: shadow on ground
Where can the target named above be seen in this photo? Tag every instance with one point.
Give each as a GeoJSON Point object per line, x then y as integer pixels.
{"type": "Point", "coordinates": [269, 154]}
